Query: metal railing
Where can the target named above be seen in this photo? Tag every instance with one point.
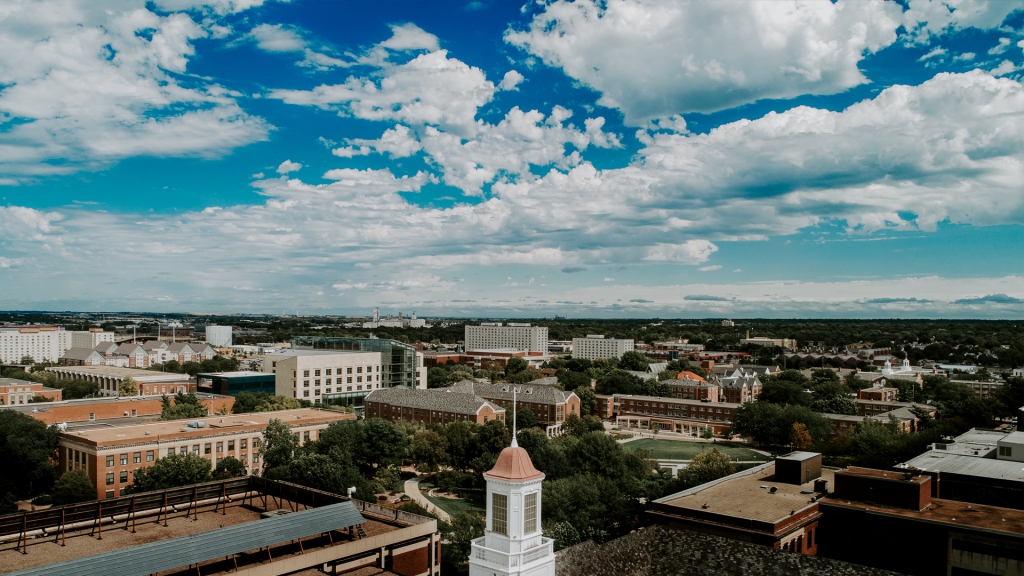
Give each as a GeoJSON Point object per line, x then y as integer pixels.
{"type": "Point", "coordinates": [505, 560]}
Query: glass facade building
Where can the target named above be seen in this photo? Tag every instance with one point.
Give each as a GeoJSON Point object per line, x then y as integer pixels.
{"type": "Point", "coordinates": [397, 359]}
{"type": "Point", "coordinates": [231, 383]}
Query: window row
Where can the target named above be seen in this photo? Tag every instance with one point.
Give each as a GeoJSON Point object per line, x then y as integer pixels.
{"type": "Point", "coordinates": [327, 371]}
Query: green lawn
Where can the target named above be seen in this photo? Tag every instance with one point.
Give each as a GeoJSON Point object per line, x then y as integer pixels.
{"type": "Point", "coordinates": [677, 450]}
{"type": "Point", "coordinates": [453, 507]}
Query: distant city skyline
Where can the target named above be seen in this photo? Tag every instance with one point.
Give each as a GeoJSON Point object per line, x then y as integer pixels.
{"type": "Point", "coordinates": [514, 160]}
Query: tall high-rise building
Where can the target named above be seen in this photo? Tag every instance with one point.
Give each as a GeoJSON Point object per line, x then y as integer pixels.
{"type": "Point", "coordinates": [41, 343]}
{"type": "Point", "coordinates": [90, 338]}
{"type": "Point", "coordinates": [513, 336]}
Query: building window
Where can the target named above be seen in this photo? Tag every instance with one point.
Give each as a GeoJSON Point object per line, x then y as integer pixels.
{"type": "Point", "coordinates": [124, 477]}
{"type": "Point", "coordinates": [149, 455]}
{"type": "Point", "coordinates": [499, 507]}
{"type": "Point", "coordinates": [137, 458]}
{"type": "Point", "coordinates": [359, 369]}
{"type": "Point", "coordinates": [327, 372]}
{"type": "Point", "coordinates": [231, 445]}
{"type": "Point", "coordinates": [305, 436]}
{"type": "Point", "coordinates": [243, 443]}
{"type": "Point", "coordinates": [124, 459]}
{"type": "Point", "coordinates": [317, 393]}
{"type": "Point", "coordinates": [207, 448]}
{"type": "Point", "coordinates": [110, 494]}
{"type": "Point", "coordinates": [305, 373]}
{"type": "Point", "coordinates": [110, 478]}
{"type": "Point", "coordinates": [348, 371]}
{"type": "Point", "coordinates": [1006, 451]}
{"type": "Point", "coordinates": [349, 379]}
{"type": "Point", "coordinates": [92, 415]}
{"type": "Point", "coordinates": [530, 514]}
{"type": "Point", "coordinates": [305, 393]}
{"type": "Point", "coordinates": [317, 383]}
{"type": "Point", "coordinates": [305, 383]}
{"type": "Point", "coordinates": [170, 451]}
{"type": "Point", "coordinates": [110, 461]}
{"type": "Point", "coordinates": [220, 447]}
{"type": "Point", "coordinates": [359, 378]}
{"type": "Point", "coordinates": [184, 450]}
{"type": "Point", "coordinates": [316, 373]}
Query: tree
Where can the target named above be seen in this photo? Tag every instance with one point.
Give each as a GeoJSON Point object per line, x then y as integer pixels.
{"type": "Point", "coordinates": [709, 466]}
{"type": "Point", "coordinates": [27, 449]}
{"type": "Point", "coordinates": [459, 373]}
{"type": "Point", "coordinates": [515, 365]}
{"type": "Point", "coordinates": [458, 537]}
{"type": "Point", "coordinates": [588, 400]}
{"type": "Point", "coordinates": [633, 360]}
{"type": "Point", "coordinates": [708, 434]}
{"type": "Point", "coordinates": [8, 504]}
{"type": "Point", "coordinates": [619, 382]}
{"type": "Point", "coordinates": [908, 389]}
{"type": "Point", "coordinates": [28, 360]}
{"type": "Point", "coordinates": [279, 444]}
{"type": "Point", "coordinates": [799, 438]}
{"type": "Point", "coordinates": [429, 451]}
{"type": "Point", "coordinates": [778, 391]}
{"type": "Point", "coordinates": [170, 472]}
{"type": "Point", "coordinates": [73, 487]}
{"type": "Point", "coordinates": [836, 405]}
{"type": "Point", "coordinates": [853, 381]}
{"type": "Point", "coordinates": [128, 387]}
{"type": "Point", "coordinates": [38, 398]}
{"type": "Point", "coordinates": [332, 473]}
{"type": "Point", "coordinates": [186, 405]}
{"type": "Point", "coordinates": [525, 418]}
{"type": "Point", "coordinates": [385, 445]}
{"type": "Point", "coordinates": [386, 478]}
{"type": "Point", "coordinates": [437, 377]}
{"type": "Point", "coordinates": [572, 380]}
{"type": "Point", "coordinates": [229, 467]}
{"type": "Point", "coordinates": [459, 436]}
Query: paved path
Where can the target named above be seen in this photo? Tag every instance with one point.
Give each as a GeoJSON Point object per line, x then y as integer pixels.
{"type": "Point", "coordinates": [412, 489]}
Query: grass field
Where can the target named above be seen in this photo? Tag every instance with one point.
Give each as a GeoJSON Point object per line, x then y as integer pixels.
{"type": "Point", "coordinates": [677, 450]}
{"type": "Point", "coordinates": [453, 507]}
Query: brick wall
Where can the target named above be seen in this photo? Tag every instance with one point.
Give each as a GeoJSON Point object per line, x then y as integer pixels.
{"type": "Point", "coordinates": [151, 406]}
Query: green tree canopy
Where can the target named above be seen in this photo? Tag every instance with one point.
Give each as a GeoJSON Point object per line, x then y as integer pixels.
{"type": "Point", "coordinates": [429, 451]}
{"type": "Point", "coordinates": [437, 377]}
{"type": "Point", "coordinates": [279, 444]}
{"type": "Point", "coordinates": [170, 472]}
{"type": "Point", "coordinates": [515, 365]}
{"type": "Point", "coordinates": [525, 418]}
{"type": "Point", "coordinates": [633, 360]}
{"type": "Point", "coordinates": [588, 400]}
{"type": "Point", "coordinates": [708, 466]}
{"type": "Point", "coordinates": [73, 487]}
{"type": "Point", "coordinates": [128, 387]}
{"type": "Point", "coordinates": [186, 405]}
{"type": "Point", "coordinates": [27, 450]}
{"type": "Point", "coordinates": [229, 467]}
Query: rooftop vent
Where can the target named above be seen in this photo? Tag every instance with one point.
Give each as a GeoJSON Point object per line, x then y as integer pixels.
{"type": "Point", "coordinates": [773, 490]}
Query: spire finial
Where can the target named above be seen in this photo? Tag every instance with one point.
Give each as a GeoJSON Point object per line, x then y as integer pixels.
{"type": "Point", "coordinates": [515, 443]}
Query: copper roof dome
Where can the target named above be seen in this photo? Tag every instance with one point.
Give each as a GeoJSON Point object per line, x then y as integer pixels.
{"type": "Point", "coordinates": [514, 464]}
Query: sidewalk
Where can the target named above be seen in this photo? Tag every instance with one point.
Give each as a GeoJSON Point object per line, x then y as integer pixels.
{"type": "Point", "coordinates": [412, 489]}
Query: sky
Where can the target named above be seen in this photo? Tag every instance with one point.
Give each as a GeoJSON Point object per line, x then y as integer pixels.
{"type": "Point", "coordinates": [632, 158]}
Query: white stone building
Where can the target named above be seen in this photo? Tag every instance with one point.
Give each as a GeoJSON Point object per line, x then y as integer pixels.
{"type": "Point", "coordinates": [42, 343]}
{"type": "Point", "coordinates": [311, 374]}
{"type": "Point", "coordinates": [514, 336]}
{"type": "Point", "coordinates": [596, 346]}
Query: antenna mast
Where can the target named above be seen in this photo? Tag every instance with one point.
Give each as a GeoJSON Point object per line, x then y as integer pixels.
{"type": "Point", "coordinates": [515, 443]}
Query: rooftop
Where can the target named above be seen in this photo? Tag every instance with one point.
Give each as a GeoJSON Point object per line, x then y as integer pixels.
{"type": "Point", "coordinates": [514, 464]}
{"type": "Point", "coordinates": [747, 495]}
{"type": "Point", "coordinates": [968, 465]}
{"type": "Point", "coordinates": [17, 382]}
{"type": "Point", "coordinates": [300, 352]}
{"type": "Point", "coordinates": [952, 512]}
{"type": "Point", "coordinates": [529, 392]}
{"type": "Point", "coordinates": [440, 399]}
{"type": "Point", "coordinates": [172, 429]}
{"type": "Point", "coordinates": [236, 374]}
{"type": "Point", "coordinates": [661, 550]}
{"type": "Point", "coordinates": [118, 372]}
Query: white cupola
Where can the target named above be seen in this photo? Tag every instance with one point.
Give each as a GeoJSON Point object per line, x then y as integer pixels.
{"type": "Point", "coordinates": [513, 543]}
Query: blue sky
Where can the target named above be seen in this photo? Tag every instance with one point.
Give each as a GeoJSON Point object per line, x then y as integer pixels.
{"type": "Point", "coordinates": [632, 158]}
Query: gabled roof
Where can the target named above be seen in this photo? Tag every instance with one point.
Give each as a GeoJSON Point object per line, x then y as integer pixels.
{"type": "Point", "coordinates": [81, 354]}
{"type": "Point", "coordinates": [529, 392]}
{"type": "Point", "coordinates": [129, 349]}
{"type": "Point", "coordinates": [105, 347]}
{"type": "Point", "coordinates": [440, 399]}
{"type": "Point", "coordinates": [155, 345]}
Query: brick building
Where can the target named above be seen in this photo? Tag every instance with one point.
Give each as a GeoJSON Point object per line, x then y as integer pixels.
{"type": "Point", "coordinates": [111, 454]}
{"type": "Point", "coordinates": [691, 417]}
{"type": "Point", "coordinates": [740, 386]}
{"type": "Point", "coordinates": [772, 505]}
{"type": "Point", "coordinates": [433, 406]}
{"type": "Point", "coordinates": [109, 379]}
{"type": "Point", "coordinates": [694, 388]}
{"type": "Point", "coordinates": [14, 392]}
{"type": "Point", "coordinates": [879, 394]}
{"type": "Point", "coordinates": [550, 405]}
{"type": "Point", "coordinates": [109, 408]}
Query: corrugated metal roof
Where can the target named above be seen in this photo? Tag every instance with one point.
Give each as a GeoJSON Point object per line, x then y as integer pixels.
{"type": "Point", "coordinates": [941, 461]}
{"type": "Point", "coordinates": [205, 546]}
